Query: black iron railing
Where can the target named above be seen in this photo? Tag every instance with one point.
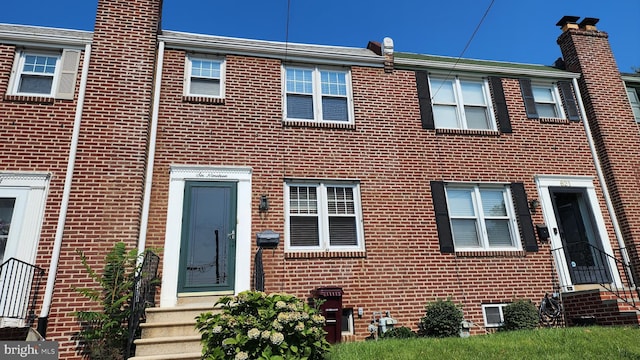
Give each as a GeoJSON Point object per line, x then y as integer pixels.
{"type": "Point", "coordinates": [144, 293]}
{"type": "Point", "coordinates": [591, 265]}
{"type": "Point", "coordinates": [19, 289]}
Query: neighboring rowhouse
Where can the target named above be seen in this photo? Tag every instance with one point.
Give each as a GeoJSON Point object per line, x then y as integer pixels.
{"type": "Point", "coordinates": [392, 179]}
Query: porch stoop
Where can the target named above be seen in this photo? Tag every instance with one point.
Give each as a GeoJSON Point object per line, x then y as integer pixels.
{"type": "Point", "coordinates": [599, 306]}
{"type": "Point", "coordinates": [170, 333]}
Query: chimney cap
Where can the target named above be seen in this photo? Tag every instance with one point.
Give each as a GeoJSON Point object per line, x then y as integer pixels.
{"type": "Point", "coordinates": [589, 21]}
{"type": "Point", "coordinates": [567, 19]}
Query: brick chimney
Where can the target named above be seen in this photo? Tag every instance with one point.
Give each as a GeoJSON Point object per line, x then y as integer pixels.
{"type": "Point", "coordinates": [586, 50]}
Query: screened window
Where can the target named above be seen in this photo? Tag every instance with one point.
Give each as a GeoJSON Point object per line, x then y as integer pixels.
{"type": "Point", "coordinates": [460, 103]}
{"type": "Point", "coordinates": [323, 216]}
{"type": "Point", "coordinates": [482, 217]}
{"type": "Point", "coordinates": [315, 94]}
{"type": "Point", "coordinates": [205, 77]}
{"type": "Point", "coordinates": [634, 99]}
{"type": "Point", "coordinates": [547, 100]}
{"type": "Point", "coordinates": [492, 314]}
{"type": "Point", "coordinates": [6, 214]}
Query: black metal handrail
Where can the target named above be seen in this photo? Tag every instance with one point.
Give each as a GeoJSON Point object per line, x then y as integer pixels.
{"type": "Point", "coordinates": [599, 272]}
{"type": "Point", "coordinates": [19, 290]}
{"type": "Point", "coordinates": [144, 293]}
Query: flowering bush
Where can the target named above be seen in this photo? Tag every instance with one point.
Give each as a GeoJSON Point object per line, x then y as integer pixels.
{"type": "Point", "coordinates": [253, 325]}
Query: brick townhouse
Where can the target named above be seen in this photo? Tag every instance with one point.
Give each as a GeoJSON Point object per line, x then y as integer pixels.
{"type": "Point", "coordinates": [389, 179]}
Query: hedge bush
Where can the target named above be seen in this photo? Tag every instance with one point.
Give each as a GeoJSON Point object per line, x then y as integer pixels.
{"type": "Point", "coordinates": [442, 319]}
{"type": "Point", "coordinates": [520, 315]}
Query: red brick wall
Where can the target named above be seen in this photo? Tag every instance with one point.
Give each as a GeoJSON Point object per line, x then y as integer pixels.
{"type": "Point", "coordinates": [394, 159]}
{"type": "Point", "coordinates": [615, 130]}
{"type": "Point", "coordinates": [106, 196]}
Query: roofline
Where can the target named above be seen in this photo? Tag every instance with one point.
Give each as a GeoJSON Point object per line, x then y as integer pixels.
{"type": "Point", "coordinates": [25, 35]}
{"type": "Point", "coordinates": [630, 77]}
{"type": "Point", "coordinates": [290, 52]}
{"type": "Point", "coordinates": [489, 68]}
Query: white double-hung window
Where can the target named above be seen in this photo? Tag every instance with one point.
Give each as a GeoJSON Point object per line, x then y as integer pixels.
{"type": "Point", "coordinates": [323, 216]}
{"type": "Point", "coordinates": [547, 99]}
{"type": "Point", "coordinates": [482, 217]}
{"type": "Point", "coordinates": [45, 73]}
{"type": "Point", "coordinates": [205, 77]}
{"type": "Point", "coordinates": [318, 94]}
{"type": "Point", "coordinates": [461, 103]}
{"type": "Point", "coordinates": [634, 100]}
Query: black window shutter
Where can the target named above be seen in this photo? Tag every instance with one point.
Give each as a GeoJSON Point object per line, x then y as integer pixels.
{"type": "Point", "coordinates": [569, 102]}
{"type": "Point", "coordinates": [524, 217]}
{"type": "Point", "coordinates": [424, 100]}
{"type": "Point", "coordinates": [442, 217]}
{"type": "Point", "coordinates": [501, 104]}
{"type": "Point", "coordinates": [529, 102]}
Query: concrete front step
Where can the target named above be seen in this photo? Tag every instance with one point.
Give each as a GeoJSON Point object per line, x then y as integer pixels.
{"type": "Point", "coordinates": [168, 345]}
{"type": "Point", "coordinates": [165, 329]}
{"type": "Point", "coordinates": [185, 356]}
{"type": "Point", "coordinates": [178, 313]}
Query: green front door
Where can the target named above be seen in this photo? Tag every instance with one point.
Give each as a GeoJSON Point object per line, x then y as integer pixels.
{"type": "Point", "coordinates": [208, 244]}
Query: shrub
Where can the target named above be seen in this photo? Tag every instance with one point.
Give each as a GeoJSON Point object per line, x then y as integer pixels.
{"type": "Point", "coordinates": [442, 319]}
{"type": "Point", "coordinates": [519, 315]}
{"type": "Point", "coordinates": [253, 325]}
{"type": "Point", "coordinates": [402, 332]}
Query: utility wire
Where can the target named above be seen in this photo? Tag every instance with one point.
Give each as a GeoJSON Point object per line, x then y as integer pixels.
{"type": "Point", "coordinates": [486, 12]}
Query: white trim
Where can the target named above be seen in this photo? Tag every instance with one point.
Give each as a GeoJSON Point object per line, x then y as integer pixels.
{"type": "Point", "coordinates": [205, 57]}
{"type": "Point", "coordinates": [543, 183]}
{"type": "Point", "coordinates": [18, 72]}
{"type": "Point", "coordinates": [556, 101]}
{"type": "Point", "coordinates": [179, 174]}
{"type": "Point", "coordinates": [500, 307]}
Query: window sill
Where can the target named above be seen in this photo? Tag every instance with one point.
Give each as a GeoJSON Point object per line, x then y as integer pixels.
{"type": "Point", "coordinates": [202, 100]}
{"type": "Point", "coordinates": [318, 124]}
{"type": "Point", "coordinates": [492, 254]}
{"type": "Point", "coordinates": [468, 132]}
{"type": "Point", "coordinates": [554, 121]}
{"type": "Point", "coordinates": [29, 99]}
{"type": "Point", "coordinates": [325, 254]}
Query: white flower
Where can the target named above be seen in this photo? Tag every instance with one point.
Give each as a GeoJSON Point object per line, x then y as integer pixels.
{"type": "Point", "coordinates": [241, 356]}
{"type": "Point", "coordinates": [266, 334]}
{"type": "Point", "coordinates": [217, 329]}
{"type": "Point", "coordinates": [276, 338]}
{"type": "Point", "coordinates": [299, 327]}
{"type": "Point", "coordinates": [253, 333]}
{"type": "Point", "coordinates": [280, 304]}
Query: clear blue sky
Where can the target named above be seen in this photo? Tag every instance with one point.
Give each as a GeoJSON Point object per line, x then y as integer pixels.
{"type": "Point", "coordinates": [514, 30]}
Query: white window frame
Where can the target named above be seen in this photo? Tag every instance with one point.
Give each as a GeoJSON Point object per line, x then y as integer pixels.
{"type": "Point", "coordinates": [188, 67]}
{"type": "Point", "coordinates": [459, 103]}
{"type": "Point", "coordinates": [556, 101]}
{"type": "Point", "coordinates": [500, 307]}
{"type": "Point", "coordinates": [323, 216]}
{"type": "Point", "coordinates": [481, 228]}
{"type": "Point", "coordinates": [317, 93]}
{"type": "Point", "coordinates": [634, 100]}
{"type": "Point", "coordinates": [349, 321]}
{"type": "Point", "coordinates": [19, 72]}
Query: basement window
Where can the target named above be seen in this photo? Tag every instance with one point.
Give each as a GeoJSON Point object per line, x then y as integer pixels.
{"type": "Point", "coordinates": [492, 314]}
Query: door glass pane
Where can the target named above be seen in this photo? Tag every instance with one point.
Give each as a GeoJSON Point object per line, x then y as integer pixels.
{"type": "Point", "coordinates": [6, 214]}
{"type": "Point", "coordinates": [465, 232]}
{"type": "Point", "coordinates": [209, 236]}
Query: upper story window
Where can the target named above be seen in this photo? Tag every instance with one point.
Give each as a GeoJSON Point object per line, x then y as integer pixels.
{"type": "Point", "coordinates": [45, 73]}
{"type": "Point", "coordinates": [554, 100]}
{"type": "Point", "coordinates": [323, 216]}
{"type": "Point", "coordinates": [205, 76]}
{"type": "Point", "coordinates": [318, 94]}
{"type": "Point", "coordinates": [634, 99]}
{"type": "Point", "coordinates": [461, 103]}
{"type": "Point", "coordinates": [482, 217]}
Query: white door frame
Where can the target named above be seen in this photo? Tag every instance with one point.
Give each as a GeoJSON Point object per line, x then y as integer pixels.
{"type": "Point", "coordinates": [179, 174]}
{"type": "Point", "coordinates": [543, 183]}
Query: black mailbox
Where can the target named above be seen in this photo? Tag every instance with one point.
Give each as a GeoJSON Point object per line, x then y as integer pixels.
{"type": "Point", "coordinates": [331, 309]}
{"type": "Point", "coordinates": [268, 239]}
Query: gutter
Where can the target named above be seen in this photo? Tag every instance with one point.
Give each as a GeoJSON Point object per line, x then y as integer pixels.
{"type": "Point", "coordinates": [603, 184]}
{"type": "Point", "coordinates": [146, 201]}
{"type": "Point", "coordinates": [62, 217]}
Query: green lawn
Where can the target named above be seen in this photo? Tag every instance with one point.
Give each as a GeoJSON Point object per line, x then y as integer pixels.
{"type": "Point", "coordinates": [564, 343]}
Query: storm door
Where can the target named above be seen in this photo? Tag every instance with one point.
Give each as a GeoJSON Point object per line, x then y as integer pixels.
{"type": "Point", "coordinates": [207, 250]}
{"type": "Point", "coordinates": [586, 259]}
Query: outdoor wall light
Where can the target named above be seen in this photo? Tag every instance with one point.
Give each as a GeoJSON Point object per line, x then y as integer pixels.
{"type": "Point", "coordinates": [533, 205]}
{"type": "Point", "coordinates": [264, 203]}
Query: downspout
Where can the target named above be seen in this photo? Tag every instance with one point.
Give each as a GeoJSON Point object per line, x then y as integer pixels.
{"type": "Point", "coordinates": [146, 202]}
{"type": "Point", "coordinates": [66, 193]}
{"type": "Point", "coordinates": [601, 179]}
